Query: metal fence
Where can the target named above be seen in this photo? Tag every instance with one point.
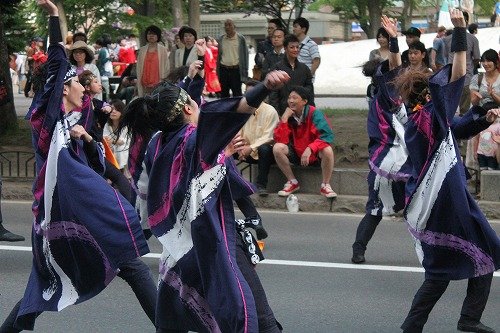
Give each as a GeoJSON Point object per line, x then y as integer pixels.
{"type": "Point", "coordinates": [19, 164]}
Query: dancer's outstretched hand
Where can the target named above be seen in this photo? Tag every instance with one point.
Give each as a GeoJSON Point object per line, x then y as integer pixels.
{"type": "Point", "coordinates": [48, 6]}
{"type": "Point", "coordinates": [492, 115]}
{"type": "Point", "coordinates": [390, 25]}
{"type": "Point", "coordinates": [276, 79]}
{"type": "Point", "coordinates": [457, 18]}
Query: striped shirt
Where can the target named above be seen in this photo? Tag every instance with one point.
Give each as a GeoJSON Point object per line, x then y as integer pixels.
{"type": "Point", "coordinates": [308, 51]}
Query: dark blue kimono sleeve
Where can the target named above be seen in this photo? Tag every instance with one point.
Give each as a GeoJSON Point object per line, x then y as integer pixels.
{"type": "Point", "coordinates": [387, 96]}
{"type": "Point", "coordinates": [218, 124]}
{"type": "Point", "coordinates": [194, 87]}
{"type": "Point", "coordinates": [471, 123]}
{"type": "Point", "coordinates": [445, 99]}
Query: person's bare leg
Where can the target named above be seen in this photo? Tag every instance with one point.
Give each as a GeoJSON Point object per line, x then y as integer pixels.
{"type": "Point", "coordinates": [327, 161]}
{"type": "Point", "coordinates": [280, 152]}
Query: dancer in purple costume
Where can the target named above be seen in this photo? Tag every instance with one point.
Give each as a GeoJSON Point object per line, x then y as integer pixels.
{"type": "Point", "coordinates": [84, 232]}
{"type": "Point", "coordinates": [388, 156]}
{"type": "Point", "coordinates": [452, 237]}
{"type": "Point", "coordinates": [207, 280]}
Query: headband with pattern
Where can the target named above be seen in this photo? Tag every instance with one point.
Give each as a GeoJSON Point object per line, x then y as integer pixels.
{"type": "Point", "coordinates": [179, 105]}
{"type": "Point", "coordinates": [71, 73]}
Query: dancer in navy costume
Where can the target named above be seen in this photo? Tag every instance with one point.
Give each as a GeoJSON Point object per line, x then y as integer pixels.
{"type": "Point", "coordinates": [388, 156]}
{"type": "Point", "coordinates": [452, 237]}
{"type": "Point", "coordinates": [84, 232]}
{"type": "Point", "coordinates": [207, 281]}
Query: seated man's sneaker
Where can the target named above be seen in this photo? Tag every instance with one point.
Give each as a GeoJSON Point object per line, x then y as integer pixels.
{"type": "Point", "coordinates": [474, 327]}
{"type": "Point", "coordinates": [288, 189]}
{"type": "Point", "coordinates": [326, 190]}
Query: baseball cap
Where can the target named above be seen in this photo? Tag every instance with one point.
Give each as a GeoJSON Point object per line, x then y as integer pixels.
{"type": "Point", "coordinates": [412, 32]}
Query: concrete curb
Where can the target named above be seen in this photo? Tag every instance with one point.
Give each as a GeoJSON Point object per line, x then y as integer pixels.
{"type": "Point", "coordinates": [15, 189]}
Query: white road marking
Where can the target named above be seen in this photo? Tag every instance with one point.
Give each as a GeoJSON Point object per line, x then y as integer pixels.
{"type": "Point", "coordinates": [296, 263]}
{"type": "Point", "coordinates": [285, 212]}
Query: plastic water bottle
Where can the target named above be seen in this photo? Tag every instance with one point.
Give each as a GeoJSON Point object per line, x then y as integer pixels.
{"type": "Point", "coordinates": [292, 203]}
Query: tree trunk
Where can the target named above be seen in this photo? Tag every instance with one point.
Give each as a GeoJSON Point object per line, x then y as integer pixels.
{"type": "Point", "coordinates": [374, 13]}
{"type": "Point", "coordinates": [177, 13]}
{"type": "Point", "coordinates": [405, 19]}
{"type": "Point", "coordinates": [7, 110]}
{"type": "Point", "coordinates": [194, 15]}
{"type": "Point", "coordinates": [63, 21]}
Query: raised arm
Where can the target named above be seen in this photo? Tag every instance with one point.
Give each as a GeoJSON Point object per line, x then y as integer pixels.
{"type": "Point", "coordinates": [252, 99]}
{"type": "Point", "coordinates": [458, 44]}
{"type": "Point", "coordinates": [391, 26]}
{"type": "Point", "coordinates": [54, 29]}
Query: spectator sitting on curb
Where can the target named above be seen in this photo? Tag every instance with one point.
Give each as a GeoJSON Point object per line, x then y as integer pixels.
{"type": "Point", "coordinates": [303, 136]}
{"type": "Point", "coordinates": [257, 134]}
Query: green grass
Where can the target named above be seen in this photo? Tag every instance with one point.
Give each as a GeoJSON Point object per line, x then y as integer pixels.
{"type": "Point", "coordinates": [340, 112]}
{"type": "Point", "coordinates": [20, 137]}
{"type": "Point", "coordinates": [349, 126]}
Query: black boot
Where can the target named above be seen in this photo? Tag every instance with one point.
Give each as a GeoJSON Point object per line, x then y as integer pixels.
{"type": "Point", "coordinates": [474, 327]}
{"type": "Point", "coordinates": [7, 236]}
{"type": "Point", "coordinates": [364, 233]}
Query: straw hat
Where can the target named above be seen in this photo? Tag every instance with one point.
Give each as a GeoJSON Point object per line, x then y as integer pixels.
{"type": "Point", "coordinates": [81, 45]}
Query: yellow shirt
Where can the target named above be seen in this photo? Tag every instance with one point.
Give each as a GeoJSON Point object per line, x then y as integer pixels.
{"type": "Point", "coordinates": [230, 55]}
{"type": "Point", "coordinates": [259, 128]}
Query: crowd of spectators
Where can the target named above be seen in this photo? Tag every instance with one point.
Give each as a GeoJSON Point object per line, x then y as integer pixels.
{"type": "Point", "coordinates": [225, 61]}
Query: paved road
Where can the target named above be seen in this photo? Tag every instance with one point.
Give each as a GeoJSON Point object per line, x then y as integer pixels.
{"type": "Point", "coordinates": [310, 282]}
{"type": "Point", "coordinates": [22, 103]}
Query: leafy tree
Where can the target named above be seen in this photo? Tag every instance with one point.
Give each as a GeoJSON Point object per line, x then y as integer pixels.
{"type": "Point", "coordinates": [366, 12]}
{"type": "Point", "coordinates": [276, 8]}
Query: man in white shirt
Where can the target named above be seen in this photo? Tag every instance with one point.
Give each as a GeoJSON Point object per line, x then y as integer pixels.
{"type": "Point", "coordinates": [309, 52]}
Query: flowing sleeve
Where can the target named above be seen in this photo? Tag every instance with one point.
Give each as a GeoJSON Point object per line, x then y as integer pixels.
{"type": "Point", "coordinates": [445, 97]}
{"type": "Point", "coordinates": [218, 124]}
{"type": "Point", "coordinates": [387, 96]}
{"type": "Point", "coordinates": [48, 107]}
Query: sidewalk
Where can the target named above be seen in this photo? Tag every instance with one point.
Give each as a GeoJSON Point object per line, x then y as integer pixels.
{"type": "Point", "coordinates": [18, 189]}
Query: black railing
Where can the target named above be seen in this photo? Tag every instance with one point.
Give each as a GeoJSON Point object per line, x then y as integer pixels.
{"type": "Point", "coordinates": [20, 164]}
{"type": "Point", "coordinates": [242, 166]}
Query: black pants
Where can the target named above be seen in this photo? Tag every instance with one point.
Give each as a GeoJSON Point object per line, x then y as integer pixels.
{"type": "Point", "coordinates": [430, 292]}
{"type": "Point", "coordinates": [119, 180]}
{"type": "Point", "coordinates": [265, 316]}
{"type": "Point", "coordinates": [247, 207]}
{"type": "Point", "coordinates": [29, 82]}
{"type": "Point", "coordinates": [138, 276]}
{"type": "Point", "coordinates": [366, 229]}
{"type": "Point", "coordinates": [1, 219]}
{"type": "Point", "coordinates": [266, 159]}
{"type": "Point", "coordinates": [230, 80]}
